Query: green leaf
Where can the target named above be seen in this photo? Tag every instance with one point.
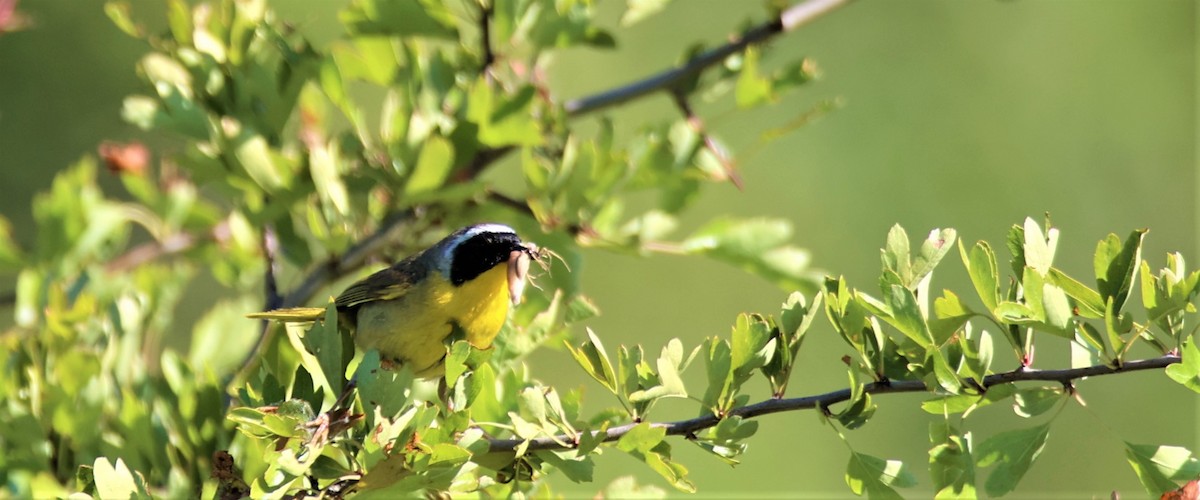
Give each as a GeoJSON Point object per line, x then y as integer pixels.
{"type": "Point", "coordinates": [117, 481]}
{"type": "Point", "coordinates": [751, 345]}
{"type": "Point", "coordinates": [504, 121]}
{"type": "Point", "coordinates": [950, 314]}
{"type": "Point", "coordinates": [1092, 337]}
{"type": "Point", "coordinates": [637, 10]}
{"type": "Point", "coordinates": [591, 356]}
{"type": "Point", "coordinates": [669, 365]}
{"type": "Point", "coordinates": [1059, 319]}
{"type": "Point", "coordinates": [945, 405]}
{"type": "Point", "coordinates": [10, 254]}
{"type": "Point", "coordinates": [385, 389]}
{"type": "Point", "coordinates": [118, 12]}
{"type": "Point", "coordinates": [421, 18]}
{"type": "Point", "coordinates": [433, 166]}
{"type": "Point", "coordinates": [1012, 452]}
{"type": "Point", "coordinates": [720, 376]}
{"type": "Point", "coordinates": [876, 477]}
{"type": "Point", "coordinates": [896, 256]}
{"type": "Point", "coordinates": [797, 316]}
{"type": "Point", "coordinates": [1188, 371]}
{"type": "Point", "coordinates": [641, 438]}
{"type": "Point", "coordinates": [627, 487]}
{"type": "Point", "coordinates": [758, 246]}
{"type": "Point", "coordinates": [1033, 402]}
{"type": "Point", "coordinates": [1038, 246]}
{"type": "Point", "coordinates": [858, 412]}
{"type": "Point", "coordinates": [945, 376]}
{"type": "Point", "coordinates": [324, 341]}
{"type": "Point", "coordinates": [1015, 313]}
{"type": "Point", "coordinates": [1159, 467]}
{"type": "Point", "coordinates": [933, 249]}
{"type": "Point", "coordinates": [456, 361]}
{"type": "Point", "coordinates": [981, 266]}
{"type": "Point", "coordinates": [950, 465]}
{"type": "Point", "coordinates": [327, 177]}
{"type": "Point", "coordinates": [591, 439]}
{"type": "Point", "coordinates": [255, 157]}
{"type": "Point", "coordinates": [578, 470]}
{"type": "Point", "coordinates": [179, 18]}
{"type": "Point", "coordinates": [752, 88]}
{"type": "Point", "coordinates": [563, 24]}
{"type": "Point", "coordinates": [223, 337]}
{"type": "Point", "coordinates": [1118, 326]}
{"type": "Point", "coordinates": [906, 315]}
{"type": "Point", "coordinates": [1089, 301]}
{"type": "Point", "coordinates": [1115, 265]}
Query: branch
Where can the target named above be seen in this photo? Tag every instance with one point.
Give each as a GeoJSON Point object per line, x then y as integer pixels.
{"type": "Point", "coordinates": [270, 246]}
{"type": "Point", "coordinates": [697, 126]}
{"type": "Point", "coordinates": [788, 20]}
{"type": "Point", "coordinates": [350, 261]}
{"type": "Point", "coordinates": [485, 35]}
{"type": "Point", "coordinates": [171, 245]}
{"type": "Point", "coordinates": [687, 427]}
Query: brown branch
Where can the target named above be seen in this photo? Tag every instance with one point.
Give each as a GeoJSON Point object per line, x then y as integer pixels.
{"type": "Point", "coordinates": [481, 161]}
{"type": "Point", "coordinates": [788, 20]}
{"type": "Point", "coordinates": [153, 250]}
{"type": "Point", "coordinates": [510, 202]}
{"type": "Point", "coordinates": [350, 261]}
{"type": "Point", "coordinates": [485, 34]}
{"type": "Point", "coordinates": [691, 426]}
{"type": "Point", "coordinates": [270, 246]}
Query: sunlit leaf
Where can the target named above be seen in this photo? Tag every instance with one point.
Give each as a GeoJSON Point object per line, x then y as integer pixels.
{"type": "Point", "coordinates": [1012, 452]}
{"type": "Point", "coordinates": [1160, 468]}
{"type": "Point", "coordinates": [877, 477]}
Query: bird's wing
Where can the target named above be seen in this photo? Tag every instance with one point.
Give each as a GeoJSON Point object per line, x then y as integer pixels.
{"type": "Point", "coordinates": [388, 284]}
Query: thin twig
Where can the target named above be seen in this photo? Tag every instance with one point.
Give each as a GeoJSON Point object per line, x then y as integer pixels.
{"type": "Point", "coordinates": [485, 34]}
{"type": "Point", "coordinates": [152, 250]}
{"type": "Point", "coordinates": [697, 126]}
{"type": "Point", "coordinates": [350, 261]}
{"type": "Point", "coordinates": [510, 202]}
{"type": "Point", "coordinates": [270, 245]}
{"type": "Point", "coordinates": [690, 426]}
{"type": "Point", "coordinates": [788, 20]}
{"type": "Point", "coordinates": [481, 161]}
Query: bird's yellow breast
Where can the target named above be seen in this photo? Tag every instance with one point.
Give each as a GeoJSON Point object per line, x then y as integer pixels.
{"type": "Point", "coordinates": [412, 329]}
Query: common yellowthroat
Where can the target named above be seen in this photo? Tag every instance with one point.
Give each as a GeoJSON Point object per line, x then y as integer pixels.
{"type": "Point", "coordinates": [467, 280]}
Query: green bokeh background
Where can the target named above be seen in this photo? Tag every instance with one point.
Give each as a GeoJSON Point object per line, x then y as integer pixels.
{"type": "Point", "coordinates": [970, 114]}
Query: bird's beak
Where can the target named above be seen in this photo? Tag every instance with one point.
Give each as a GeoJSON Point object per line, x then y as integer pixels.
{"type": "Point", "coordinates": [518, 270]}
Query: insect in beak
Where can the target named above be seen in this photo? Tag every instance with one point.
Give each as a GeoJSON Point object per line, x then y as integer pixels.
{"type": "Point", "coordinates": [518, 270]}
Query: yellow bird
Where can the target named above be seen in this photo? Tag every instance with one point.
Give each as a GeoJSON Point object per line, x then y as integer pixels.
{"type": "Point", "coordinates": [466, 280]}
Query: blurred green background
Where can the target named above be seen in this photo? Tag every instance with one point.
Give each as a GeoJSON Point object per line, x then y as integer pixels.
{"type": "Point", "coordinates": [970, 114]}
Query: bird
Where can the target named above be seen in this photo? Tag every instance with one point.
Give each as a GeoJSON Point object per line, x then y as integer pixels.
{"type": "Point", "coordinates": [468, 281]}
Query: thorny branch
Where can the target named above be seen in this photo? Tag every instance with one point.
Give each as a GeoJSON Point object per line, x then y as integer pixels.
{"type": "Point", "coordinates": [788, 20]}
{"type": "Point", "coordinates": [691, 426]}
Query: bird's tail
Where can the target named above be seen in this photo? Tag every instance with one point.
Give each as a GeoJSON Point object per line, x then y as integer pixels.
{"type": "Point", "coordinates": [291, 314]}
